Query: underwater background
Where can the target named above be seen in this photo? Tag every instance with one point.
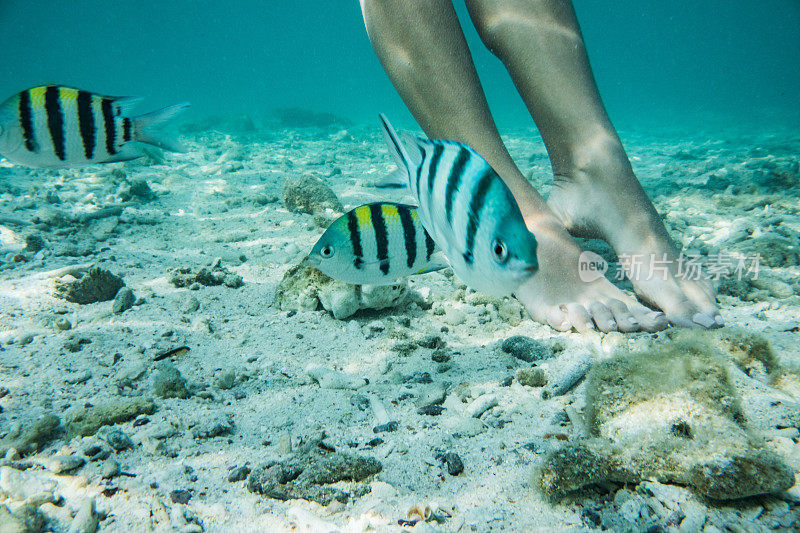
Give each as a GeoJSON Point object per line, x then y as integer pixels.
{"type": "Point", "coordinates": [717, 64]}
{"type": "Point", "coordinates": [170, 361]}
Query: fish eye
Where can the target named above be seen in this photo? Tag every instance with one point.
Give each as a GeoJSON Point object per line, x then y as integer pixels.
{"type": "Point", "coordinates": [326, 252]}
{"type": "Point", "coordinates": [499, 251]}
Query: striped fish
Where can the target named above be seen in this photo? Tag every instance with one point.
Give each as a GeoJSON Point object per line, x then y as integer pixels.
{"type": "Point", "coordinates": [55, 126]}
{"type": "Point", "coordinates": [376, 244]}
{"type": "Point", "coordinates": [468, 211]}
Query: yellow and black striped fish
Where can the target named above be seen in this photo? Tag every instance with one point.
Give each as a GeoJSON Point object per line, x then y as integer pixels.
{"type": "Point", "coordinates": [468, 211]}
{"type": "Point", "coordinates": [55, 126]}
{"type": "Point", "coordinates": [376, 244]}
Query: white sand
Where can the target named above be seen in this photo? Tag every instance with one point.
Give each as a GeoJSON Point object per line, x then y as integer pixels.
{"type": "Point", "coordinates": [210, 203]}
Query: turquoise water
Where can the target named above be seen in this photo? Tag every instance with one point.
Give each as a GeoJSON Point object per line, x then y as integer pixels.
{"type": "Point", "coordinates": [728, 63]}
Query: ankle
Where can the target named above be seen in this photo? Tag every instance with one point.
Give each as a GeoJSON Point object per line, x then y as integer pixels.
{"type": "Point", "coordinates": [599, 157]}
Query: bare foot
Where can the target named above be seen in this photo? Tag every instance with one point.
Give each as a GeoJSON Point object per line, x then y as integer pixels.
{"type": "Point", "coordinates": [601, 198]}
{"type": "Point", "coordinates": [558, 296]}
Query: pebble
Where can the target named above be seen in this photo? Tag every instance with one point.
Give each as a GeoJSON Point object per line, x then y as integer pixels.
{"type": "Point", "coordinates": [434, 342]}
{"type": "Point", "coordinates": [115, 437]}
{"type": "Point", "coordinates": [180, 496]}
{"type": "Point", "coordinates": [453, 462]}
{"type": "Point", "coordinates": [565, 373]}
{"type": "Point", "coordinates": [329, 378]}
{"type": "Point", "coordinates": [189, 304]}
{"type": "Point", "coordinates": [481, 404]}
{"type": "Point", "coordinates": [123, 300]}
{"type": "Point", "coordinates": [227, 380]}
{"type": "Point", "coordinates": [63, 324]}
{"type": "Point", "coordinates": [385, 428]}
{"type": "Point", "coordinates": [96, 450]}
{"type": "Point", "coordinates": [526, 348]}
{"type": "Point", "coordinates": [61, 464]}
{"type": "Point", "coordinates": [213, 426]}
{"type": "Point", "coordinates": [109, 469]}
{"type": "Point", "coordinates": [86, 520]}
{"type": "Point", "coordinates": [77, 377]}
{"type": "Point", "coordinates": [431, 410]}
{"type": "Point", "coordinates": [168, 382]}
{"type": "Point", "coordinates": [238, 474]}
{"type": "Point", "coordinates": [531, 377]}
{"type": "Point", "coordinates": [432, 395]}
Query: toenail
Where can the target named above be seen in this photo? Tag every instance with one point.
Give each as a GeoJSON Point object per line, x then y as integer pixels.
{"type": "Point", "coordinates": [634, 321]}
{"type": "Point", "coordinates": [655, 315]}
{"type": "Point", "coordinates": [718, 320]}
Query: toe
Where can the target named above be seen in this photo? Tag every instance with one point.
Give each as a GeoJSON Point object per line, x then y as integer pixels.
{"type": "Point", "coordinates": [557, 319]}
{"type": "Point", "coordinates": [580, 318]}
{"type": "Point", "coordinates": [602, 316]}
{"type": "Point", "coordinates": [650, 320]}
{"type": "Point", "coordinates": [626, 322]}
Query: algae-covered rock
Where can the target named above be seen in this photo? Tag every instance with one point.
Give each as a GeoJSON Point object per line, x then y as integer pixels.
{"type": "Point", "coordinates": [95, 285]}
{"type": "Point", "coordinates": [670, 414]}
{"type": "Point", "coordinates": [168, 382]}
{"type": "Point", "coordinates": [309, 194]}
{"type": "Point", "coordinates": [25, 519]}
{"type": "Point", "coordinates": [33, 436]}
{"type": "Point", "coordinates": [304, 288]}
{"type": "Point", "coordinates": [211, 275]}
{"type": "Point", "coordinates": [86, 421]}
{"type": "Point", "coordinates": [309, 473]}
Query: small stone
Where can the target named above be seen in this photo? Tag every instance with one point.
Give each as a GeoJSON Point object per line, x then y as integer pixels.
{"type": "Point", "coordinates": [63, 324]}
{"type": "Point", "coordinates": [213, 426]}
{"type": "Point", "coordinates": [168, 382]}
{"type": "Point", "coordinates": [309, 194]}
{"type": "Point", "coordinates": [180, 496]}
{"type": "Point", "coordinates": [387, 427]}
{"type": "Point", "coordinates": [431, 341]}
{"type": "Point", "coordinates": [110, 469]}
{"type": "Point", "coordinates": [360, 401]}
{"type": "Point", "coordinates": [227, 380]}
{"type": "Point", "coordinates": [77, 377]}
{"type": "Point", "coordinates": [34, 243]}
{"type": "Point", "coordinates": [481, 404]}
{"type": "Point", "coordinates": [526, 348]}
{"type": "Point", "coordinates": [431, 410]}
{"type": "Point", "coordinates": [115, 437]}
{"type": "Point", "coordinates": [60, 464]}
{"type": "Point", "coordinates": [531, 377]}
{"type": "Point", "coordinates": [123, 300]}
{"type": "Point", "coordinates": [96, 450]}
{"type": "Point", "coordinates": [238, 474]}
{"type": "Point", "coordinates": [440, 356]}
{"type": "Point", "coordinates": [453, 462]}
{"type": "Point", "coordinates": [189, 304]}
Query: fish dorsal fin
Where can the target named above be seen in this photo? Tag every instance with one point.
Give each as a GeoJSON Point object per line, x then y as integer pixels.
{"type": "Point", "coordinates": [404, 159]}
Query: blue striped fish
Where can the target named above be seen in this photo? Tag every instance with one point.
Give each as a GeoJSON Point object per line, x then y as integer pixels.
{"type": "Point", "coordinates": [56, 126]}
{"type": "Point", "coordinates": [468, 211]}
{"type": "Point", "coordinates": [376, 244]}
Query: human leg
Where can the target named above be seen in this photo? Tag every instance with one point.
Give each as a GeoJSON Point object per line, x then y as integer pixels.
{"type": "Point", "coordinates": [595, 192]}
{"type": "Point", "coordinates": [422, 48]}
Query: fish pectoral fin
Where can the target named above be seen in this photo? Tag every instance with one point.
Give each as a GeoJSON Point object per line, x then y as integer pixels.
{"type": "Point", "coordinates": [438, 261]}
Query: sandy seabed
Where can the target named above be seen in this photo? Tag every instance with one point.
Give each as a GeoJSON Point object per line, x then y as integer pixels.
{"type": "Point", "coordinates": [229, 435]}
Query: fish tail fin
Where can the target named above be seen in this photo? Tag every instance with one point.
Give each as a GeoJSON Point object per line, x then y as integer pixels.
{"type": "Point", "coordinates": [147, 128]}
{"type": "Point", "coordinates": [405, 160]}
